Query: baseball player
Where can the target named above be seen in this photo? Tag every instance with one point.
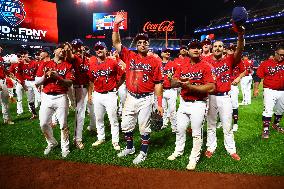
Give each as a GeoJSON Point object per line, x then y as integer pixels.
{"type": "Point", "coordinates": [196, 81]}
{"type": "Point", "coordinates": [237, 74]}
{"type": "Point", "coordinates": [104, 72]}
{"type": "Point", "coordinates": [55, 76]}
{"type": "Point", "coordinates": [29, 69]}
{"type": "Point", "coordinates": [183, 55]}
{"type": "Point", "coordinates": [16, 70]}
{"type": "Point", "coordinates": [272, 73]}
{"type": "Point", "coordinates": [206, 49]}
{"type": "Point", "coordinates": [246, 81]}
{"type": "Point", "coordinates": [169, 94]}
{"type": "Point", "coordinates": [81, 87]}
{"type": "Point", "coordinates": [4, 95]}
{"type": "Point", "coordinates": [220, 101]}
{"type": "Point", "coordinates": [143, 77]}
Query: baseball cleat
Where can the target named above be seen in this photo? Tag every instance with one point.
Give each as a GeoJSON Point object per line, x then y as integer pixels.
{"type": "Point", "coordinates": [174, 156]}
{"type": "Point", "coordinates": [235, 127]}
{"type": "Point", "coordinates": [191, 165]}
{"type": "Point", "coordinates": [49, 148]}
{"type": "Point", "coordinates": [98, 142]}
{"type": "Point", "coordinates": [65, 153]}
{"type": "Point", "coordinates": [140, 158]}
{"type": "Point", "coordinates": [265, 134]}
{"type": "Point", "coordinates": [208, 154]}
{"type": "Point", "coordinates": [278, 128]}
{"type": "Point", "coordinates": [79, 144]}
{"type": "Point", "coordinates": [126, 152]}
{"type": "Point", "coordinates": [33, 116]}
{"type": "Point", "coordinates": [116, 146]}
{"type": "Point", "coordinates": [235, 156]}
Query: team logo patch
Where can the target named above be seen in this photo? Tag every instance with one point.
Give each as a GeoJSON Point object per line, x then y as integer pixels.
{"type": "Point", "coordinates": [12, 11]}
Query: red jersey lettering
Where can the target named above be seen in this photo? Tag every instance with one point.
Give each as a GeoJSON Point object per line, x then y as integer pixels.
{"type": "Point", "coordinates": [29, 70]}
{"type": "Point", "coordinates": [104, 75]}
{"type": "Point", "coordinates": [142, 73]}
{"type": "Point", "coordinates": [272, 73]}
{"type": "Point", "coordinates": [237, 71]}
{"type": "Point", "coordinates": [248, 67]}
{"type": "Point", "coordinates": [64, 70]}
{"type": "Point", "coordinates": [198, 74]}
{"type": "Point", "coordinates": [222, 69]}
{"type": "Point", "coordinates": [81, 68]}
{"type": "Point", "coordinates": [169, 68]}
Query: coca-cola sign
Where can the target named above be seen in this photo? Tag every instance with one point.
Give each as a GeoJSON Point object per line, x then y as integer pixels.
{"type": "Point", "coordinates": [162, 27]}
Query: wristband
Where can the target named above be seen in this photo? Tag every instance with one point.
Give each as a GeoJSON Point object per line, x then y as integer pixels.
{"type": "Point", "coordinates": [115, 27]}
{"type": "Point", "coordinates": [159, 98]}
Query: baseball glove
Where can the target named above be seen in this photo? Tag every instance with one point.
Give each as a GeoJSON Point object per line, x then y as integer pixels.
{"type": "Point", "coordinates": [156, 121]}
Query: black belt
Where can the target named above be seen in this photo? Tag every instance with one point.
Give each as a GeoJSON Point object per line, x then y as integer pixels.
{"type": "Point", "coordinates": [194, 100]}
{"type": "Point", "coordinates": [53, 93]}
{"type": "Point", "coordinates": [139, 95]}
{"type": "Point", "coordinates": [30, 79]}
{"type": "Point", "coordinates": [105, 92]}
{"type": "Point", "coordinates": [221, 94]}
{"type": "Point", "coordinates": [80, 86]}
{"type": "Point", "coordinates": [167, 88]}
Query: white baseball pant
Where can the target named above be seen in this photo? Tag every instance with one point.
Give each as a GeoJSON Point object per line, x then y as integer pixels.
{"type": "Point", "coordinates": [71, 96]}
{"type": "Point", "coordinates": [57, 104]}
{"type": "Point", "coordinates": [169, 106]}
{"type": "Point", "coordinates": [81, 97]}
{"type": "Point", "coordinates": [246, 83]}
{"type": "Point", "coordinates": [194, 113]}
{"type": "Point", "coordinates": [106, 102]}
{"type": "Point", "coordinates": [19, 93]}
{"type": "Point", "coordinates": [91, 110]}
{"type": "Point", "coordinates": [4, 96]}
{"type": "Point", "coordinates": [32, 90]}
{"type": "Point", "coordinates": [234, 94]}
{"type": "Point", "coordinates": [223, 105]}
{"type": "Point", "coordinates": [137, 108]}
{"type": "Point", "coordinates": [122, 97]}
{"type": "Point", "coordinates": [273, 101]}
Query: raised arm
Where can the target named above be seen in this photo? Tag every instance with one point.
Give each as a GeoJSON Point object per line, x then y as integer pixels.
{"type": "Point", "coordinates": [116, 42]}
{"type": "Point", "coordinates": [240, 46]}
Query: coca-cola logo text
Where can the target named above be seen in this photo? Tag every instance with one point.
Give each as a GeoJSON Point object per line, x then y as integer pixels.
{"type": "Point", "coordinates": [162, 27]}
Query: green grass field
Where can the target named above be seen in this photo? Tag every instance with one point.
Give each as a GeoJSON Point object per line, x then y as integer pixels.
{"type": "Point", "coordinates": [260, 157]}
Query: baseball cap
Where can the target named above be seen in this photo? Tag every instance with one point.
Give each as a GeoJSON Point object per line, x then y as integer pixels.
{"type": "Point", "coordinates": [60, 45]}
{"type": "Point", "coordinates": [183, 47]}
{"type": "Point", "coordinates": [141, 36]}
{"type": "Point", "coordinates": [165, 49]}
{"type": "Point", "coordinates": [77, 42]}
{"type": "Point", "coordinates": [100, 44]}
{"type": "Point", "coordinates": [206, 41]}
{"type": "Point", "coordinates": [47, 50]}
{"type": "Point", "coordinates": [239, 15]}
{"type": "Point", "coordinates": [194, 44]}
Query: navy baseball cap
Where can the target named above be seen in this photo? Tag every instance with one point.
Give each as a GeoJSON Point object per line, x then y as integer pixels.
{"type": "Point", "coordinates": [100, 44]}
{"type": "Point", "coordinates": [78, 42]}
{"type": "Point", "coordinates": [239, 15]}
{"type": "Point", "coordinates": [47, 50]}
{"type": "Point", "coordinates": [164, 49]}
{"type": "Point", "coordinates": [195, 44]}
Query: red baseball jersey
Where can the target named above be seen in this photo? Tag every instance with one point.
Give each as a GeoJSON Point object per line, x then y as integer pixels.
{"type": "Point", "coordinates": [169, 68]}
{"type": "Point", "coordinates": [272, 73]}
{"type": "Point", "coordinates": [222, 69]}
{"type": "Point", "coordinates": [248, 67]}
{"type": "Point", "coordinates": [29, 70]}
{"type": "Point", "coordinates": [81, 68]}
{"type": "Point", "coordinates": [142, 73]}
{"type": "Point", "coordinates": [2, 71]}
{"type": "Point", "coordinates": [182, 60]}
{"type": "Point", "coordinates": [206, 58]}
{"type": "Point", "coordinates": [237, 70]}
{"type": "Point", "coordinates": [104, 75]}
{"type": "Point", "coordinates": [9, 83]}
{"type": "Point", "coordinates": [198, 74]}
{"type": "Point", "coordinates": [51, 85]}
{"type": "Point", "coordinates": [17, 71]}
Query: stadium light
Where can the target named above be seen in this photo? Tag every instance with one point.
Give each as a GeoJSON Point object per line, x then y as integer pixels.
{"type": "Point", "coordinates": [90, 1]}
{"type": "Point", "coordinates": [248, 21]}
